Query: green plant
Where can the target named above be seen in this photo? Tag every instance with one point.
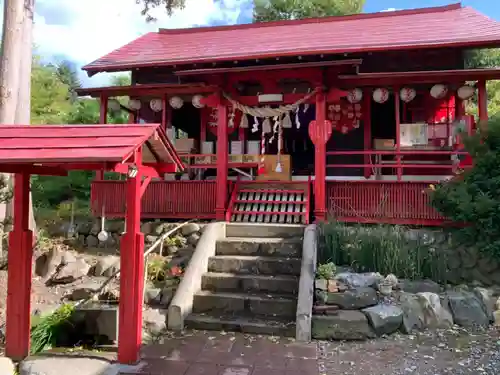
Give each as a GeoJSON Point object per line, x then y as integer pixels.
{"type": "Point", "coordinates": [472, 199]}
{"type": "Point", "coordinates": [326, 271]}
{"type": "Point", "coordinates": [46, 329]}
{"type": "Point", "coordinates": [383, 248]}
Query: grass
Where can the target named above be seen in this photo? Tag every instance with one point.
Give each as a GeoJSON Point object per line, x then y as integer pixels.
{"type": "Point", "coordinates": [384, 248]}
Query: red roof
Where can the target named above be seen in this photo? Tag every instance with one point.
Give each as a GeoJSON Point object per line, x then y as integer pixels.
{"type": "Point", "coordinates": [76, 144]}
{"type": "Point", "coordinates": [451, 25]}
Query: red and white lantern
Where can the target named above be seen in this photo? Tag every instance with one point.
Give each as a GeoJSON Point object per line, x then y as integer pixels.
{"type": "Point", "coordinates": [176, 102]}
{"type": "Point", "coordinates": [466, 92]}
{"type": "Point", "coordinates": [196, 100]}
{"type": "Point", "coordinates": [439, 91]}
{"type": "Point", "coordinates": [134, 104]}
{"type": "Point", "coordinates": [354, 95]}
{"type": "Point", "coordinates": [156, 105]}
{"type": "Point", "coordinates": [381, 95]}
{"type": "Point", "coordinates": [407, 94]}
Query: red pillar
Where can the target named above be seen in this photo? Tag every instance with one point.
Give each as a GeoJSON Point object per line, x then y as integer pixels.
{"type": "Point", "coordinates": [103, 119]}
{"type": "Point", "coordinates": [367, 129]}
{"type": "Point", "coordinates": [222, 151]}
{"type": "Point", "coordinates": [320, 161]}
{"type": "Point", "coordinates": [398, 132]}
{"type": "Point", "coordinates": [482, 103]}
{"type": "Point", "coordinates": [132, 275]}
{"type": "Point", "coordinates": [19, 277]}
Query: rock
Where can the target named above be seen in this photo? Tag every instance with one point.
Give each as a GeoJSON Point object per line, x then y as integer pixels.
{"type": "Point", "coordinates": [351, 299]}
{"type": "Point", "coordinates": [7, 367]}
{"type": "Point", "coordinates": [84, 291]}
{"type": "Point", "coordinates": [67, 257]}
{"type": "Point", "coordinates": [92, 241]}
{"type": "Point", "coordinates": [419, 286]}
{"type": "Point", "coordinates": [332, 286]}
{"type": "Point", "coordinates": [497, 304]}
{"type": "Point", "coordinates": [172, 250]}
{"type": "Point", "coordinates": [116, 226]}
{"type": "Point", "coordinates": [47, 263]}
{"type": "Point", "coordinates": [391, 280]}
{"type": "Point", "coordinates": [152, 296]}
{"type": "Point", "coordinates": [110, 296]}
{"type": "Point", "coordinates": [357, 280]}
{"type": "Point", "coordinates": [193, 239]}
{"type": "Point", "coordinates": [150, 239]}
{"type": "Point", "coordinates": [435, 315]}
{"type": "Point", "coordinates": [384, 319]}
{"type": "Point", "coordinates": [147, 228]}
{"type": "Point", "coordinates": [153, 322]}
{"type": "Point", "coordinates": [467, 310]}
{"type": "Point", "coordinates": [469, 257]}
{"type": "Point", "coordinates": [345, 325]}
{"type": "Point", "coordinates": [325, 309]}
{"type": "Point", "coordinates": [495, 277]}
{"type": "Point", "coordinates": [413, 314]}
{"type": "Point", "coordinates": [321, 284]}
{"type": "Point", "coordinates": [71, 272]}
{"type": "Point", "coordinates": [84, 228]}
{"type": "Point", "coordinates": [96, 228]}
{"type": "Point", "coordinates": [80, 240]}
{"type": "Point", "coordinates": [479, 277]}
{"type": "Point", "coordinates": [56, 365]}
{"type": "Point", "coordinates": [487, 264]}
{"type": "Point", "coordinates": [453, 261]}
{"type": "Point", "coordinates": [160, 228]}
{"type": "Point", "coordinates": [189, 229]}
{"type": "Point", "coordinates": [485, 296]}
{"type": "Point", "coordinates": [167, 295]}
{"type": "Point", "coordinates": [107, 266]}
{"type": "Point", "coordinates": [496, 318]}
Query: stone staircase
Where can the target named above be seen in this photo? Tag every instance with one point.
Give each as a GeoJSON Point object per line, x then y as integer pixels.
{"type": "Point", "coordinates": [252, 282]}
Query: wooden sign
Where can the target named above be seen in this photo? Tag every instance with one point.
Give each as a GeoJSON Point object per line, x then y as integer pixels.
{"type": "Point", "coordinates": [320, 134]}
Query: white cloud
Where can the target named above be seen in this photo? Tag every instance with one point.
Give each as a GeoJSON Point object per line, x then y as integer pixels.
{"type": "Point", "coordinates": [94, 28]}
{"type": "Point", "coordinates": [389, 10]}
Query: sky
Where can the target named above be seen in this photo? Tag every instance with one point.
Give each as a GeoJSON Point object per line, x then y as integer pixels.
{"type": "Point", "coordinates": [81, 31]}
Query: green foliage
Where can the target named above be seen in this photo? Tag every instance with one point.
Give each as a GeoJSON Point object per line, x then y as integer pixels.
{"type": "Point", "coordinates": [326, 271]}
{"type": "Point", "coordinates": [385, 249]}
{"type": "Point", "coordinates": [474, 197]}
{"type": "Point", "coordinates": [45, 330]}
{"type": "Point", "coordinates": [169, 5]}
{"type": "Point", "coordinates": [273, 10]}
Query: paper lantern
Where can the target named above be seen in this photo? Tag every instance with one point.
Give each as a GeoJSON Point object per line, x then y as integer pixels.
{"type": "Point", "coordinates": [134, 104]}
{"type": "Point", "coordinates": [176, 102]}
{"type": "Point", "coordinates": [354, 95]}
{"type": "Point", "coordinates": [407, 94]}
{"type": "Point", "coordinates": [156, 105]}
{"type": "Point", "coordinates": [439, 91]}
{"type": "Point", "coordinates": [197, 101]}
{"type": "Point", "coordinates": [381, 95]}
{"type": "Point", "coordinates": [466, 92]}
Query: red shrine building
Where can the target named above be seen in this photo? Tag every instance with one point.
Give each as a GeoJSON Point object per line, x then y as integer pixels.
{"type": "Point", "coordinates": [294, 121]}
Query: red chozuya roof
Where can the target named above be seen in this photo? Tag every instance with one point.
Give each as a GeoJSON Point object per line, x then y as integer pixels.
{"type": "Point", "coordinates": [451, 25]}
{"type": "Point", "coordinates": [77, 144]}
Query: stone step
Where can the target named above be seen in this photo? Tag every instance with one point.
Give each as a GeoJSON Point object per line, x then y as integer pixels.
{"type": "Point", "coordinates": [230, 282]}
{"type": "Point", "coordinates": [217, 303]}
{"type": "Point", "coordinates": [261, 230]}
{"type": "Point", "coordinates": [257, 265]}
{"type": "Point", "coordinates": [242, 323]}
{"type": "Point", "coordinates": [284, 247]}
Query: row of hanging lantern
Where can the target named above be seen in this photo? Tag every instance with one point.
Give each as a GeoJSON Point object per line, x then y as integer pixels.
{"type": "Point", "coordinates": [407, 94]}
{"type": "Point", "coordinates": [156, 105]}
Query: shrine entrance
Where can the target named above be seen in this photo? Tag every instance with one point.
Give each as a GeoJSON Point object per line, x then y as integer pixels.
{"type": "Point", "coordinates": [141, 152]}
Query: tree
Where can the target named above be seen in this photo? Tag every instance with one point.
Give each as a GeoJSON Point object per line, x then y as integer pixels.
{"type": "Point", "coordinates": [169, 5]}
{"type": "Point", "coordinates": [67, 74]}
{"type": "Point", "coordinates": [274, 10]}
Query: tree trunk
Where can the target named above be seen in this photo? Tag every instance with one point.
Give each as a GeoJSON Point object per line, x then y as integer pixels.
{"type": "Point", "coordinates": [23, 108]}
{"type": "Point", "coordinates": [12, 39]}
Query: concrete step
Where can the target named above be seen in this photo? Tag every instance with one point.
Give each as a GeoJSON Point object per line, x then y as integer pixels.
{"type": "Point", "coordinates": [284, 247]}
{"type": "Point", "coordinates": [229, 282]}
{"type": "Point", "coordinates": [216, 303]}
{"type": "Point", "coordinates": [261, 230]}
{"type": "Point", "coordinates": [258, 265]}
{"type": "Point", "coordinates": [242, 323]}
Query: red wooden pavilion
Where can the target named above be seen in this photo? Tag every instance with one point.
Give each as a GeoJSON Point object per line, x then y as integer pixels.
{"type": "Point", "coordinates": [54, 150]}
{"type": "Point", "coordinates": [350, 116]}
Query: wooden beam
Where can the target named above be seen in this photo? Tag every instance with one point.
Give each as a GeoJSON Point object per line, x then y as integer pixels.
{"type": "Point", "coordinates": [157, 90]}
{"type": "Point", "coordinates": [33, 169]}
{"type": "Point", "coordinates": [222, 161]}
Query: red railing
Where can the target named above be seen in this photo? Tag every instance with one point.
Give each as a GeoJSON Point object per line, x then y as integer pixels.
{"type": "Point", "coordinates": [392, 202]}
{"type": "Point", "coordinates": [162, 199]}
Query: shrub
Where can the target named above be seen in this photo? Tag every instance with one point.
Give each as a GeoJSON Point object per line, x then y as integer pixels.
{"type": "Point", "coordinates": [384, 248]}
{"type": "Point", "coordinates": [326, 271]}
{"type": "Point", "coordinates": [473, 198]}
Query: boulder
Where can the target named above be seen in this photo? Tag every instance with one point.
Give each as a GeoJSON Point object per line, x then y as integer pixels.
{"type": "Point", "coordinates": [167, 295]}
{"type": "Point", "coordinates": [189, 229]}
{"type": "Point", "coordinates": [152, 296]}
{"type": "Point", "coordinates": [321, 284]}
{"type": "Point", "coordinates": [345, 325]}
{"type": "Point", "coordinates": [486, 298]}
{"type": "Point", "coordinates": [84, 291]}
{"type": "Point", "coordinates": [107, 266]}
{"type": "Point", "coordinates": [413, 314]}
{"type": "Point", "coordinates": [467, 310]}
{"type": "Point", "coordinates": [487, 264]}
{"type": "Point", "coordinates": [56, 365]}
{"type": "Point", "coordinates": [384, 319]}
{"type": "Point", "coordinates": [47, 263]}
{"type": "Point", "coordinates": [67, 257]}
{"type": "Point", "coordinates": [84, 228]}
{"type": "Point", "coordinates": [352, 299]}
{"type": "Point", "coordinates": [147, 228]}
{"type": "Point", "coordinates": [359, 280]}
{"type": "Point", "coordinates": [92, 241]}
{"type": "Point", "coordinates": [7, 367]}
{"type": "Point", "coordinates": [193, 239]}
{"type": "Point", "coordinates": [71, 272]}
{"type": "Point", "coordinates": [435, 315]}
{"type": "Point", "coordinates": [150, 239]}
{"type": "Point", "coordinates": [469, 256]}
{"type": "Point", "coordinates": [419, 286]}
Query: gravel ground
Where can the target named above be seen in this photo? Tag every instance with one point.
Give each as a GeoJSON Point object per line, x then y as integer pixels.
{"type": "Point", "coordinates": [450, 352]}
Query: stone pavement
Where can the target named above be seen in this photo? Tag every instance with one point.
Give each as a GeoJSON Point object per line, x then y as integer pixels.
{"type": "Point", "coordinates": [202, 353]}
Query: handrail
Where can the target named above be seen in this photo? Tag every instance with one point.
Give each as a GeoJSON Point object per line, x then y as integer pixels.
{"type": "Point", "coordinates": [232, 201]}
